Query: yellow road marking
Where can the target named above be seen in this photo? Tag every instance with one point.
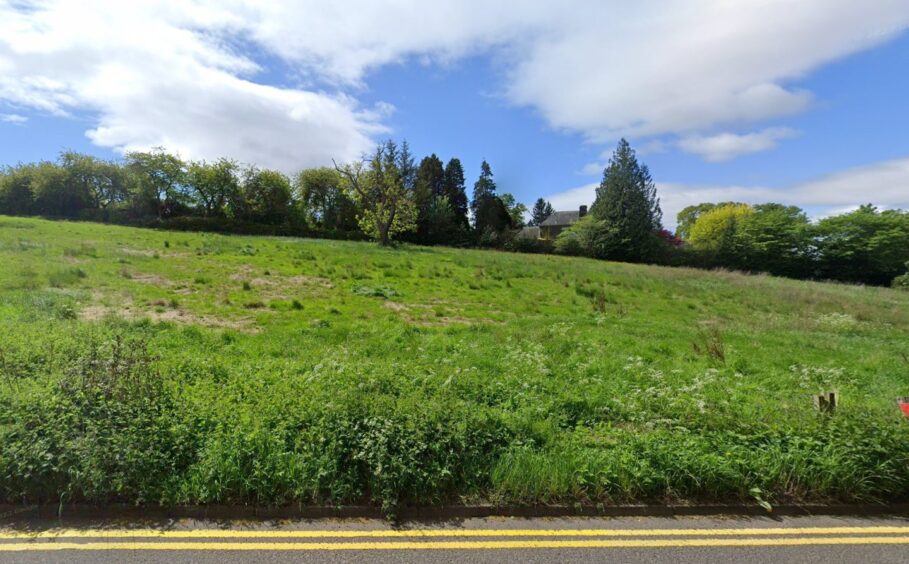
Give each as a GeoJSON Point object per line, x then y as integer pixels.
{"type": "Point", "coordinates": [453, 545]}
{"type": "Point", "coordinates": [252, 534]}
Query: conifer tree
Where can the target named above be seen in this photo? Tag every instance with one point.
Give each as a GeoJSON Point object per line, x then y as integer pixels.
{"type": "Point", "coordinates": [484, 187]}
{"type": "Point", "coordinates": [541, 210]}
{"type": "Point", "coordinates": [455, 192]}
{"type": "Point", "coordinates": [627, 206]}
{"type": "Point", "coordinates": [429, 186]}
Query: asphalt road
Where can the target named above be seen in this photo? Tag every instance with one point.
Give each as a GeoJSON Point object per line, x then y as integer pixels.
{"type": "Point", "coordinates": [584, 540]}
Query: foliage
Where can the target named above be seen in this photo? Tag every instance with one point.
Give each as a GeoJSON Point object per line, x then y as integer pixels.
{"type": "Point", "coordinates": [161, 182]}
{"type": "Point", "coordinates": [902, 282]}
{"type": "Point", "coordinates": [627, 208]}
{"type": "Point", "coordinates": [456, 192]}
{"type": "Point", "coordinates": [214, 185]}
{"type": "Point", "coordinates": [715, 229]}
{"type": "Point", "coordinates": [387, 204]}
{"type": "Point", "coordinates": [866, 245]}
{"type": "Point", "coordinates": [483, 189]}
{"type": "Point", "coordinates": [492, 218]}
{"type": "Point", "coordinates": [266, 196]}
{"type": "Point", "coordinates": [686, 218]}
{"type": "Point", "coordinates": [516, 210]}
{"type": "Point", "coordinates": [541, 210]}
{"type": "Point", "coordinates": [774, 238]}
{"type": "Point", "coordinates": [323, 200]}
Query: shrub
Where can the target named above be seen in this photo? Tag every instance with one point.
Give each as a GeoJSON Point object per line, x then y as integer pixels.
{"type": "Point", "coordinates": [902, 282]}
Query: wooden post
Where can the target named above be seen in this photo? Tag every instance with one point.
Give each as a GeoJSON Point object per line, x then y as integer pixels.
{"type": "Point", "coordinates": [826, 402]}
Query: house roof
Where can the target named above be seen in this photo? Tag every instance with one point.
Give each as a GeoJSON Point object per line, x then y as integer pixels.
{"type": "Point", "coordinates": [529, 232]}
{"type": "Point", "coordinates": [560, 218]}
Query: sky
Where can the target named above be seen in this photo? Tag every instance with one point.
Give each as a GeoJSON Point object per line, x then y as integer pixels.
{"type": "Point", "coordinates": [804, 102]}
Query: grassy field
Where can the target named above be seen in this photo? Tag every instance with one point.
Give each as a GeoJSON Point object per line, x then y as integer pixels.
{"type": "Point", "coordinates": [162, 367]}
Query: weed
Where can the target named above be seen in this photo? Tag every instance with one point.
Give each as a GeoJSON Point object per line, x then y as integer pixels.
{"type": "Point", "coordinates": [379, 292]}
{"type": "Point", "coordinates": [711, 344]}
{"type": "Point", "coordinates": [66, 277]}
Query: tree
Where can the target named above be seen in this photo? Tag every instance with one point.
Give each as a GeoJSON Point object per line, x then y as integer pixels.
{"type": "Point", "coordinates": [54, 196]}
{"type": "Point", "coordinates": [429, 185]}
{"type": "Point", "coordinates": [715, 230]}
{"type": "Point", "coordinates": [105, 182]}
{"type": "Point", "coordinates": [775, 239]}
{"type": "Point", "coordinates": [866, 245]}
{"type": "Point", "coordinates": [483, 188]}
{"type": "Point", "coordinates": [323, 200]}
{"type": "Point", "coordinates": [267, 196]}
{"type": "Point", "coordinates": [387, 206]}
{"type": "Point", "coordinates": [541, 211]}
{"type": "Point", "coordinates": [16, 195]}
{"type": "Point", "coordinates": [686, 218]}
{"type": "Point", "coordinates": [516, 210]}
{"type": "Point", "coordinates": [492, 218]}
{"type": "Point", "coordinates": [456, 192]}
{"type": "Point", "coordinates": [160, 179]}
{"type": "Point", "coordinates": [404, 162]}
{"type": "Point", "coordinates": [590, 237]}
{"type": "Point", "coordinates": [213, 185]}
{"type": "Point", "coordinates": [442, 226]}
{"type": "Point", "coordinates": [626, 202]}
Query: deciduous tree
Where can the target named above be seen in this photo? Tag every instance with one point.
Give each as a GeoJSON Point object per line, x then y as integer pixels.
{"type": "Point", "coordinates": [387, 206]}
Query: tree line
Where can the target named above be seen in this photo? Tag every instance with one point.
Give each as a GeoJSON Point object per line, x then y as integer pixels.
{"type": "Point", "coordinates": [867, 245]}
{"type": "Point", "coordinates": [387, 196]}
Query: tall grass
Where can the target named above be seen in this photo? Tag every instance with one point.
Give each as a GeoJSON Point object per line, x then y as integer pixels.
{"type": "Point", "coordinates": [355, 374]}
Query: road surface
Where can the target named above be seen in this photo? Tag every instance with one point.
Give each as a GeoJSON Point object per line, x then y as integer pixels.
{"type": "Point", "coordinates": [584, 540]}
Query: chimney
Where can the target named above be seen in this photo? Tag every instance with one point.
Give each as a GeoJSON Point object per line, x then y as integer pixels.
{"type": "Point", "coordinates": [582, 211]}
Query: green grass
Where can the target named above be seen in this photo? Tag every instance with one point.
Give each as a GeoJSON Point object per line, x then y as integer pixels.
{"type": "Point", "coordinates": [153, 367]}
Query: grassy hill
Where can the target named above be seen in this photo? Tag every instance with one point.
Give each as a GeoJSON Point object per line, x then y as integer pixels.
{"type": "Point", "coordinates": [161, 367]}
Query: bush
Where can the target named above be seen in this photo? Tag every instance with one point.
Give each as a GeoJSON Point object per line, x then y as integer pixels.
{"type": "Point", "coordinates": [105, 431]}
{"type": "Point", "coordinates": [902, 282]}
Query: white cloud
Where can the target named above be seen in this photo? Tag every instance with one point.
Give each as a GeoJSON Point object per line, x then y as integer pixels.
{"type": "Point", "coordinates": [15, 119]}
{"type": "Point", "coordinates": [165, 74]}
{"type": "Point", "coordinates": [885, 184]}
{"type": "Point", "coordinates": [725, 146]}
{"type": "Point", "coordinates": [182, 72]}
{"type": "Point", "coordinates": [601, 68]}
{"type": "Point", "coordinates": [651, 67]}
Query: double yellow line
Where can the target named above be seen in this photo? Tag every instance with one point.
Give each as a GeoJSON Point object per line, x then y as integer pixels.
{"type": "Point", "coordinates": [472, 539]}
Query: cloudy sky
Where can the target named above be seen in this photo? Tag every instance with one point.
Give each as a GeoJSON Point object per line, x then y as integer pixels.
{"type": "Point", "coordinates": [798, 101]}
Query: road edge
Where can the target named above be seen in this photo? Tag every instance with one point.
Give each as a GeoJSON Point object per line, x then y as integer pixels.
{"type": "Point", "coordinates": [441, 513]}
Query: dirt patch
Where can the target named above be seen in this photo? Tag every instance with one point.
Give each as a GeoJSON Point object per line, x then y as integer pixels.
{"type": "Point", "coordinates": [310, 281]}
{"type": "Point", "coordinates": [396, 306]}
{"type": "Point", "coordinates": [136, 252]}
{"type": "Point", "coordinates": [186, 318]}
{"type": "Point", "coordinates": [406, 313]}
{"type": "Point", "coordinates": [243, 273]}
{"type": "Point", "coordinates": [97, 312]}
{"type": "Point", "coordinates": [446, 320]}
{"type": "Point", "coordinates": [94, 312]}
{"type": "Point", "coordinates": [153, 279]}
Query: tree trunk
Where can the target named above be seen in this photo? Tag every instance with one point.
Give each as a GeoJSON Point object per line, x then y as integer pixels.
{"type": "Point", "coordinates": [383, 234]}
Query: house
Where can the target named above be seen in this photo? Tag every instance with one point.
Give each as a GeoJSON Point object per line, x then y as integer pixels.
{"type": "Point", "coordinates": [558, 221]}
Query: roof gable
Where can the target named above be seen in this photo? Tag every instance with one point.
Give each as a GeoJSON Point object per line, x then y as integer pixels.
{"type": "Point", "coordinates": [561, 218]}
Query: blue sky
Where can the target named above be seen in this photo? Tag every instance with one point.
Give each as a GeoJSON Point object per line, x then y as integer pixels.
{"type": "Point", "coordinates": [729, 103]}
